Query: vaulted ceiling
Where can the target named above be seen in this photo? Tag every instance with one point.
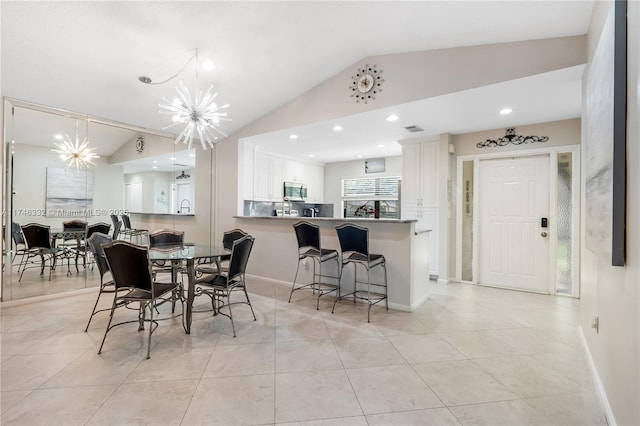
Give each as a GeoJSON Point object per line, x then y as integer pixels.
{"type": "Point", "coordinates": [87, 56]}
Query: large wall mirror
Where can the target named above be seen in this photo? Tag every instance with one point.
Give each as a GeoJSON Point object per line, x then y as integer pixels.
{"type": "Point", "coordinates": [139, 173]}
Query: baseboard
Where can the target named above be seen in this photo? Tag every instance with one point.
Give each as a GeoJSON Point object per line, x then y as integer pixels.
{"type": "Point", "coordinates": [608, 412]}
{"type": "Point", "coordinates": [444, 280]}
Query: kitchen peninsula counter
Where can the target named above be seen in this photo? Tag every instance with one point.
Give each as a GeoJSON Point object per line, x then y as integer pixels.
{"type": "Point", "coordinates": [405, 248]}
{"type": "Point", "coordinates": [360, 220]}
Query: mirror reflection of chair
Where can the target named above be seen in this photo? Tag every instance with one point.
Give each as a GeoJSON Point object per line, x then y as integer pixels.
{"type": "Point", "coordinates": [220, 264]}
{"type": "Point", "coordinates": [38, 239]}
{"type": "Point", "coordinates": [73, 245]}
{"type": "Point", "coordinates": [131, 272]}
{"type": "Point", "coordinates": [101, 227]}
{"type": "Point", "coordinates": [116, 230]}
{"type": "Point", "coordinates": [19, 244]}
{"type": "Point", "coordinates": [354, 245]}
{"type": "Point", "coordinates": [221, 285]}
{"type": "Point", "coordinates": [94, 245]}
{"type": "Point", "coordinates": [308, 237]}
{"type": "Point", "coordinates": [128, 231]}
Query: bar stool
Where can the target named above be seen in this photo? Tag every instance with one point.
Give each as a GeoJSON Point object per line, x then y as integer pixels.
{"type": "Point", "coordinates": [354, 245]}
{"type": "Point", "coordinates": [308, 236]}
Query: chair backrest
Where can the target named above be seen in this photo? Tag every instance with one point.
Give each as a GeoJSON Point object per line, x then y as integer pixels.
{"type": "Point", "coordinates": [16, 234]}
{"type": "Point", "coordinates": [353, 238]}
{"type": "Point", "coordinates": [308, 235]}
{"type": "Point", "coordinates": [116, 230]}
{"type": "Point", "coordinates": [230, 236]}
{"type": "Point", "coordinates": [240, 252]}
{"type": "Point", "coordinates": [114, 219]}
{"type": "Point", "coordinates": [95, 242]}
{"type": "Point", "coordinates": [37, 235]}
{"type": "Point", "coordinates": [166, 237]}
{"type": "Point", "coordinates": [70, 225]}
{"type": "Point", "coordinates": [129, 265]}
{"type": "Point", "coordinates": [126, 221]}
{"type": "Point", "coordinates": [97, 227]}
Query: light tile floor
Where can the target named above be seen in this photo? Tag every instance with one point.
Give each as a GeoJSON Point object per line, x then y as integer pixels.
{"type": "Point", "coordinates": [469, 355]}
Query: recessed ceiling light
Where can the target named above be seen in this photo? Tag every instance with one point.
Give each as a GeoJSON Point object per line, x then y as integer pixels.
{"type": "Point", "coordinates": [192, 155]}
{"type": "Point", "coordinates": [337, 128]}
{"type": "Point", "coordinates": [380, 146]}
{"type": "Point", "coordinates": [208, 66]}
{"type": "Point", "coordinates": [59, 137]}
{"type": "Point", "coordinates": [293, 136]}
{"type": "Point", "coordinates": [505, 111]}
{"type": "Point", "coordinates": [312, 155]}
{"type": "Point", "coordinates": [359, 156]}
{"type": "Point", "coordinates": [392, 117]}
{"type": "Point", "coordinates": [154, 167]}
{"type": "Point", "coordinates": [155, 161]}
{"type": "Point", "coordinates": [172, 158]}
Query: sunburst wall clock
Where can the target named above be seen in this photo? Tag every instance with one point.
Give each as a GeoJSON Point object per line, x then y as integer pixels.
{"type": "Point", "coordinates": [366, 84]}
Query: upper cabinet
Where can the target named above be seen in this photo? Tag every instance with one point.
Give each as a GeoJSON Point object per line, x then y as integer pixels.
{"type": "Point", "coordinates": [268, 176]}
{"type": "Point", "coordinates": [265, 174]}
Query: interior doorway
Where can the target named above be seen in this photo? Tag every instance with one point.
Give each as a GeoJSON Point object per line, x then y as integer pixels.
{"type": "Point", "coordinates": [495, 248]}
{"type": "Point", "coordinates": [513, 215]}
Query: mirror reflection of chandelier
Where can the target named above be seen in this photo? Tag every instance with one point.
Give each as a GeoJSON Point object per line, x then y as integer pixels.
{"type": "Point", "coordinates": [76, 154]}
{"type": "Point", "coordinates": [200, 114]}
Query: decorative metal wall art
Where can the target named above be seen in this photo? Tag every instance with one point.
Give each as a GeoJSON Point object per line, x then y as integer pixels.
{"type": "Point", "coordinates": [140, 145]}
{"type": "Point", "coordinates": [511, 138]}
{"type": "Point", "coordinates": [366, 83]}
{"type": "Point", "coordinates": [183, 175]}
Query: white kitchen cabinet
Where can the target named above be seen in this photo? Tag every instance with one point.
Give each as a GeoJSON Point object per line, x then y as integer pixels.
{"type": "Point", "coordinates": [294, 171]}
{"type": "Point", "coordinates": [420, 174]}
{"type": "Point", "coordinates": [268, 176]}
{"type": "Point", "coordinates": [314, 179]}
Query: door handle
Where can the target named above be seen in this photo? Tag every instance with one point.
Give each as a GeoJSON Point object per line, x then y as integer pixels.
{"type": "Point", "coordinates": [544, 234]}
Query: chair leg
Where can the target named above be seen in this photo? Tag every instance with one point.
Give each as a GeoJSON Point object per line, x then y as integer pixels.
{"type": "Point", "coordinates": [93, 312]}
{"type": "Point", "coordinates": [248, 302]}
{"type": "Point", "coordinates": [233, 327]}
{"type": "Point", "coordinates": [295, 278]}
{"type": "Point", "coordinates": [150, 327]}
{"type": "Point", "coordinates": [113, 308]}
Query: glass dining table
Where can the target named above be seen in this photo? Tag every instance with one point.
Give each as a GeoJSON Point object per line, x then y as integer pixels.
{"type": "Point", "coordinates": [189, 254]}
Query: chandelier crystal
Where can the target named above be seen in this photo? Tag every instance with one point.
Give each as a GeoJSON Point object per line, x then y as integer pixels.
{"type": "Point", "coordinates": [200, 115]}
{"type": "Point", "coordinates": [76, 154]}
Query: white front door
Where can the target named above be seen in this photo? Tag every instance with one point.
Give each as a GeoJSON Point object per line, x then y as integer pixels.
{"type": "Point", "coordinates": [513, 198]}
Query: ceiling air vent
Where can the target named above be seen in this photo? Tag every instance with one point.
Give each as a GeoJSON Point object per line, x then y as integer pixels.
{"type": "Point", "coordinates": [414, 129]}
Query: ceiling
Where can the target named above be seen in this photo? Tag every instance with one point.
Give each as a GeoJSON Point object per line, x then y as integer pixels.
{"type": "Point", "coordinates": [86, 57]}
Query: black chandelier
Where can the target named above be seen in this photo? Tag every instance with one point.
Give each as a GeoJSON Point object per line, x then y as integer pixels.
{"type": "Point", "coordinates": [511, 138]}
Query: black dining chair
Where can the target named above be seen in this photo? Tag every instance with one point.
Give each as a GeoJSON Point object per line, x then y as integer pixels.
{"type": "Point", "coordinates": [100, 227]}
{"type": "Point", "coordinates": [220, 264]}
{"type": "Point", "coordinates": [73, 247]}
{"type": "Point", "coordinates": [94, 245]}
{"type": "Point", "coordinates": [38, 239]}
{"type": "Point", "coordinates": [166, 238]}
{"type": "Point", "coordinates": [19, 244]}
{"type": "Point", "coordinates": [219, 287]}
{"type": "Point", "coordinates": [127, 230]}
{"type": "Point", "coordinates": [308, 237]}
{"type": "Point", "coordinates": [354, 245]}
{"type": "Point", "coordinates": [131, 271]}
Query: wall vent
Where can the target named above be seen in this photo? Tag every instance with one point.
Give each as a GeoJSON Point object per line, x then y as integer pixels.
{"type": "Point", "coordinates": [414, 129]}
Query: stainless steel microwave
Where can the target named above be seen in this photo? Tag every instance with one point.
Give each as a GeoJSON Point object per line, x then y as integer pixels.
{"type": "Point", "coordinates": [293, 191]}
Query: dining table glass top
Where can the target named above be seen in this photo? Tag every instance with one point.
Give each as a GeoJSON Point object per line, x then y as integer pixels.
{"type": "Point", "coordinates": [186, 251]}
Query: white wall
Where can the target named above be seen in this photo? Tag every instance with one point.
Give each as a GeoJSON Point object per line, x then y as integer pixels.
{"type": "Point", "coordinates": [334, 173]}
{"type": "Point", "coordinates": [613, 293]}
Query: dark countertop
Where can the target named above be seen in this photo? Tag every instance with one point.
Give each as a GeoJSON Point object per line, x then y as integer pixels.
{"type": "Point", "coordinates": [328, 219]}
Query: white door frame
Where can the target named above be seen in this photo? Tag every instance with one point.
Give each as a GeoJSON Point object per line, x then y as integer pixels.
{"type": "Point", "coordinates": [553, 175]}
